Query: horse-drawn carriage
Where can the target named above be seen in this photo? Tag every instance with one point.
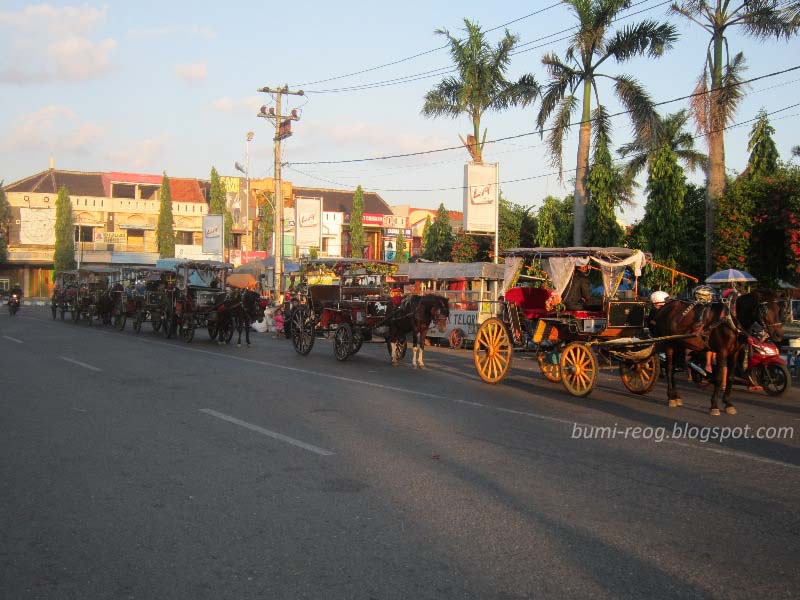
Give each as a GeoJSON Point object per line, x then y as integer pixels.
{"type": "Point", "coordinates": [570, 343]}
{"type": "Point", "coordinates": [196, 300]}
{"type": "Point", "coordinates": [93, 299]}
{"type": "Point", "coordinates": [142, 298]}
{"type": "Point", "coordinates": [349, 310]}
{"type": "Point", "coordinates": [65, 292]}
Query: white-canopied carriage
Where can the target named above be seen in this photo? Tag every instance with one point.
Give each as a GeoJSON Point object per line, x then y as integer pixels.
{"type": "Point", "coordinates": [570, 345]}
{"type": "Point", "coordinates": [472, 290]}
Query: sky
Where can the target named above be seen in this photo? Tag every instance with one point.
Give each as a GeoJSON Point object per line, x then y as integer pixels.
{"type": "Point", "coordinates": [151, 87]}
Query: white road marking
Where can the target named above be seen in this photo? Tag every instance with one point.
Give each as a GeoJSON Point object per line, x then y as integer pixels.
{"type": "Point", "coordinates": [8, 337]}
{"type": "Point", "coordinates": [79, 363]}
{"type": "Point", "coordinates": [267, 432]}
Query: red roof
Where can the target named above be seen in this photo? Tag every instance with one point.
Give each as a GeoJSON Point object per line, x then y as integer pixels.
{"type": "Point", "coordinates": [186, 190]}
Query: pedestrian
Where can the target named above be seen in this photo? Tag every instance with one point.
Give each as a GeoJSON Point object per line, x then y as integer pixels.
{"type": "Point", "coordinates": [277, 318]}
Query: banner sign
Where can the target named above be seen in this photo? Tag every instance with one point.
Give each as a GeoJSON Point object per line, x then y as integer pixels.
{"type": "Point", "coordinates": [111, 237]}
{"type": "Point", "coordinates": [480, 197]}
{"type": "Point", "coordinates": [393, 232]}
{"type": "Point", "coordinates": [308, 222]}
{"type": "Point", "coordinates": [395, 222]}
{"type": "Point", "coordinates": [213, 234]}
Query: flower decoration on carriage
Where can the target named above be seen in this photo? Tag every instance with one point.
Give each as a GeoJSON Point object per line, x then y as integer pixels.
{"type": "Point", "coordinates": [554, 303]}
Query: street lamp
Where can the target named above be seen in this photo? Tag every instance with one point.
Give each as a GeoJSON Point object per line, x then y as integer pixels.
{"type": "Point", "coordinates": [246, 171]}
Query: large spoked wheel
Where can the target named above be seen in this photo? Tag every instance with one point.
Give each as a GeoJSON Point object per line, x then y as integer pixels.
{"type": "Point", "coordinates": [401, 346]}
{"type": "Point", "coordinates": [774, 378]}
{"type": "Point", "coordinates": [456, 339]}
{"type": "Point", "coordinates": [302, 330]}
{"type": "Point", "coordinates": [187, 329]}
{"type": "Point", "coordinates": [492, 351]}
{"type": "Point", "coordinates": [639, 377]}
{"type": "Point", "coordinates": [226, 331]}
{"type": "Point", "coordinates": [343, 342]}
{"type": "Point", "coordinates": [358, 340]}
{"type": "Point", "coordinates": [578, 369]}
{"type": "Point", "coordinates": [548, 364]}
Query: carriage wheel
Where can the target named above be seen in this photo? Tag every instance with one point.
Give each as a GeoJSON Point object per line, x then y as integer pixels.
{"type": "Point", "coordinates": [358, 341]}
{"type": "Point", "coordinates": [302, 327]}
{"type": "Point", "coordinates": [187, 330]}
{"type": "Point", "coordinates": [456, 339]}
{"type": "Point", "coordinates": [550, 369]}
{"type": "Point", "coordinates": [213, 330]}
{"type": "Point", "coordinates": [343, 342]}
{"type": "Point", "coordinates": [492, 351]}
{"type": "Point", "coordinates": [167, 324]}
{"type": "Point", "coordinates": [402, 346]}
{"type": "Point", "coordinates": [578, 369]}
{"type": "Point", "coordinates": [137, 322]}
{"type": "Point", "coordinates": [639, 377]}
{"type": "Point", "coordinates": [226, 331]}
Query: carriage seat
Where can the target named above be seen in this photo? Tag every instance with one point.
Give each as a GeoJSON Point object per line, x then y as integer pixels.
{"type": "Point", "coordinates": [322, 295]}
{"type": "Point", "coordinates": [531, 301]}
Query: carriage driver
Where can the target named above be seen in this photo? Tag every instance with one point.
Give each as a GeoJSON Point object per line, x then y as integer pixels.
{"type": "Point", "coordinates": [579, 291]}
{"type": "Point", "coordinates": [657, 299]}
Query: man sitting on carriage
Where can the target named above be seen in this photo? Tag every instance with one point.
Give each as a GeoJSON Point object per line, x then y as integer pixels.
{"type": "Point", "coordinates": [579, 292]}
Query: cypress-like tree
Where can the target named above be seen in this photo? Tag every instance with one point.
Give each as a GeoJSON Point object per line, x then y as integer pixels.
{"type": "Point", "coordinates": [662, 225]}
{"type": "Point", "coordinates": [356, 226]}
{"type": "Point", "coordinates": [605, 186]}
{"type": "Point", "coordinates": [554, 226]}
{"type": "Point", "coordinates": [217, 206]}
{"type": "Point", "coordinates": [439, 244]}
{"type": "Point", "coordinates": [426, 229]}
{"type": "Point", "coordinates": [763, 151]}
{"type": "Point", "coordinates": [64, 256]}
{"type": "Point", "coordinates": [465, 248]}
{"type": "Point", "coordinates": [400, 249]}
{"type": "Point", "coordinates": [266, 221]}
{"type": "Point", "coordinates": [165, 232]}
{"type": "Point", "coordinates": [5, 225]}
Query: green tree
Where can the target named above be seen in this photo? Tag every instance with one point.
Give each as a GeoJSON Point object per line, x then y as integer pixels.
{"type": "Point", "coordinates": [718, 90]}
{"type": "Point", "coordinates": [670, 131]}
{"type": "Point", "coordinates": [663, 214]}
{"type": "Point", "coordinates": [439, 243]}
{"type": "Point", "coordinates": [5, 224]}
{"type": "Point", "coordinates": [426, 233]}
{"type": "Point", "coordinates": [591, 45]}
{"type": "Point", "coordinates": [64, 255]}
{"type": "Point", "coordinates": [509, 224]}
{"type": "Point", "coordinates": [266, 224]}
{"type": "Point", "coordinates": [218, 206]}
{"type": "Point", "coordinates": [480, 85]}
{"type": "Point", "coordinates": [763, 151]}
{"type": "Point", "coordinates": [165, 232]}
{"type": "Point", "coordinates": [694, 231]}
{"type": "Point", "coordinates": [734, 224]}
{"type": "Point", "coordinates": [465, 248]}
{"type": "Point", "coordinates": [554, 226]}
{"type": "Point", "coordinates": [400, 249]}
{"type": "Point", "coordinates": [606, 186]}
{"type": "Point", "coordinates": [356, 227]}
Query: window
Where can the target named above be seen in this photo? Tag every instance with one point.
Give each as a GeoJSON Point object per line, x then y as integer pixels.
{"type": "Point", "coordinates": [183, 238]}
{"type": "Point", "coordinates": [135, 240]}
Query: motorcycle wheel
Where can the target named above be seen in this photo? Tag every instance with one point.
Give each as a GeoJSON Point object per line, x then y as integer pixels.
{"type": "Point", "coordinates": [774, 378]}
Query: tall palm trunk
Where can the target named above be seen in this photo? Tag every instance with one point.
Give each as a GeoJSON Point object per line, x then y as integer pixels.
{"type": "Point", "coordinates": [476, 131]}
{"type": "Point", "coordinates": [582, 171]}
{"type": "Point", "coordinates": [716, 152]}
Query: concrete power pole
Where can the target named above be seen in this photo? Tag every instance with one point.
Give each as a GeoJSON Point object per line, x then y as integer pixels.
{"type": "Point", "coordinates": [283, 129]}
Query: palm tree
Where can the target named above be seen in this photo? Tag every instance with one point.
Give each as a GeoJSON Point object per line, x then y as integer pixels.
{"type": "Point", "coordinates": [670, 132]}
{"type": "Point", "coordinates": [796, 151]}
{"type": "Point", "coordinates": [591, 46]}
{"type": "Point", "coordinates": [480, 85]}
{"type": "Point", "coordinates": [718, 90]}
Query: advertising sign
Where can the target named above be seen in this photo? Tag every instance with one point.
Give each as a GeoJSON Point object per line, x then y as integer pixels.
{"type": "Point", "coordinates": [37, 226]}
{"type": "Point", "coordinates": [480, 197]}
{"type": "Point", "coordinates": [234, 201]}
{"type": "Point", "coordinates": [308, 222]}
{"type": "Point", "coordinates": [213, 234]}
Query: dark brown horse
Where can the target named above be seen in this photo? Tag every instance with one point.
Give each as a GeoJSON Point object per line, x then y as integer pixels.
{"type": "Point", "coordinates": [718, 332]}
{"type": "Point", "coordinates": [414, 315]}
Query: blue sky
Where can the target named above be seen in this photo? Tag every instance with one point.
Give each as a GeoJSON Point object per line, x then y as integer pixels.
{"type": "Point", "coordinates": [151, 86]}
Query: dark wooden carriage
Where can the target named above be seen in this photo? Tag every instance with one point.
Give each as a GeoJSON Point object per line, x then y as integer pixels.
{"type": "Point", "coordinates": [92, 296]}
{"type": "Point", "coordinates": [196, 300]}
{"type": "Point", "coordinates": [571, 345]}
{"type": "Point", "coordinates": [65, 292]}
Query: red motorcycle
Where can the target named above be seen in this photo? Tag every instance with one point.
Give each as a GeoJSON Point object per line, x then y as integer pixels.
{"type": "Point", "coordinates": [760, 365]}
{"type": "Point", "coordinates": [13, 304]}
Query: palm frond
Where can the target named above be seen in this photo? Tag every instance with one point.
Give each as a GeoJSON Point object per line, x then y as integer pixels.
{"type": "Point", "coordinates": [764, 19]}
{"type": "Point", "coordinates": [645, 38]}
{"type": "Point", "coordinates": [727, 99]}
{"type": "Point", "coordinates": [637, 101]}
{"type": "Point", "coordinates": [561, 127]}
{"type": "Point", "coordinates": [601, 125]}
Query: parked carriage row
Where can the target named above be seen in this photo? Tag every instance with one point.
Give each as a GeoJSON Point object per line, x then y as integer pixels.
{"type": "Point", "coordinates": [176, 301]}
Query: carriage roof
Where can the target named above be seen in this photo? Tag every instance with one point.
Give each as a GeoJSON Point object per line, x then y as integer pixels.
{"type": "Point", "coordinates": [451, 270]}
{"type": "Point", "coordinates": [203, 264]}
{"type": "Point", "coordinates": [97, 270]}
{"type": "Point", "coordinates": [610, 254]}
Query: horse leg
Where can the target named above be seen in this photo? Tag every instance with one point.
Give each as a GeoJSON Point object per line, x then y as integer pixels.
{"type": "Point", "coordinates": [421, 335]}
{"type": "Point", "coordinates": [239, 331]}
{"type": "Point", "coordinates": [719, 387]}
{"type": "Point", "coordinates": [726, 396]}
{"type": "Point", "coordinates": [247, 324]}
{"type": "Point", "coordinates": [673, 395]}
{"type": "Point", "coordinates": [414, 344]}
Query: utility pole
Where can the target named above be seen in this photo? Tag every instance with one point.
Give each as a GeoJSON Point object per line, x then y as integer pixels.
{"type": "Point", "coordinates": [283, 129]}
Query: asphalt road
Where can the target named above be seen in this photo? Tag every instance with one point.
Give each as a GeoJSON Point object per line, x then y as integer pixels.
{"type": "Point", "coordinates": [134, 467]}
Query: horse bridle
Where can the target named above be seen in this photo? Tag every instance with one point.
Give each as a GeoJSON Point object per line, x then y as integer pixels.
{"type": "Point", "coordinates": [762, 313]}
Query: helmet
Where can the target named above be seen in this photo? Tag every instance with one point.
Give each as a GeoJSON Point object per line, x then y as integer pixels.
{"type": "Point", "coordinates": [659, 297]}
{"type": "Point", "coordinates": [703, 293]}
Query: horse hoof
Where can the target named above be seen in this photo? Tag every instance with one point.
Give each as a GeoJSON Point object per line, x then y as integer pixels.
{"type": "Point", "coordinates": [678, 402]}
{"type": "Point", "coordinates": [673, 403]}
{"type": "Point", "coordinates": [714, 412]}
{"type": "Point", "coordinates": [731, 410]}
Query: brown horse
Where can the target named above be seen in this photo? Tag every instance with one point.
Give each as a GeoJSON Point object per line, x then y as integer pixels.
{"type": "Point", "coordinates": [719, 332]}
{"type": "Point", "coordinates": [414, 315]}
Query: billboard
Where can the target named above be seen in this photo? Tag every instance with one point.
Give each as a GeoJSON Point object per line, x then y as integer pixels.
{"type": "Point", "coordinates": [480, 197]}
{"type": "Point", "coordinates": [235, 201]}
{"type": "Point", "coordinates": [213, 234]}
{"type": "Point", "coordinates": [37, 226]}
{"type": "Point", "coordinates": [308, 222]}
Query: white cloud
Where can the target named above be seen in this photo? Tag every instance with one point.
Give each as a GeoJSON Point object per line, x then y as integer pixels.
{"type": "Point", "coordinates": [172, 31]}
{"type": "Point", "coordinates": [35, 49]}
{"type": "Point", "coordinates": [248, 105]}
{"type": "Point", "coordinates": [191, 72]}
{"type": "Point", "coordinates": [50, 129]}
{"type": "Point", "coordinates": [141, 155]}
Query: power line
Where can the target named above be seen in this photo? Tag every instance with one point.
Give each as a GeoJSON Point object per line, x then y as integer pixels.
{"type": "Point", "coordinates": [520, 135]}
{"type": "Point", "coordinates": [540, 176]}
